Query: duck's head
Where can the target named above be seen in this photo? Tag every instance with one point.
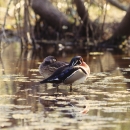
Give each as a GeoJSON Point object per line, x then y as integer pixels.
{"type": "Point", "coordinates": [49, 60]}
{"type": "Point", "coordinates": [77, 60]}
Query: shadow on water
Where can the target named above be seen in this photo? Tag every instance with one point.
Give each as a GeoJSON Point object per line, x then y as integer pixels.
{"type": "Point", "coordinates": [102, 102]}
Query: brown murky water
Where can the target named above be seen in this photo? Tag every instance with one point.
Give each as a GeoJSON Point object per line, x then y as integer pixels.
{"type": "Point", "coordinates": [102, 103]}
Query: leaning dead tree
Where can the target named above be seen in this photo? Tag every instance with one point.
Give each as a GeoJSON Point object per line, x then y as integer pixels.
{"type": "Point", "coordinates": [50, 14]}
{"type": "Point", "coordinates": [124, 27]}
{"type": "Point", "coordinates": [121, 33]}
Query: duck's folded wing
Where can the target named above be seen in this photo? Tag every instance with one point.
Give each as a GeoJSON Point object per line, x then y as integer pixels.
{"type": "Point", "coordinates": [61, 77]}
{"type": "Point", "coordinates": [53, 77]}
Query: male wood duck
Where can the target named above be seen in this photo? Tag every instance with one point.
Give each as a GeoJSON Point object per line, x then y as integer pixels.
{"type": "Point", "coordinates": [49, 66]}
{"type": "Point", "coordinates": [75, 73]}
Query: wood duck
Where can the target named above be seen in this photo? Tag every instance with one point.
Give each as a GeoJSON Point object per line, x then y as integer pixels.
{"type": "Point", "coordinates": [49, 66]}
{"type": "Point", "coordinates": [75, 72]}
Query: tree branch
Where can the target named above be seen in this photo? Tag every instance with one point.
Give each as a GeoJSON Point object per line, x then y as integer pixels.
{"type": "Point", "coordinates": [118, 5]}
{"type": "Point", "coordinates": [49, 13]}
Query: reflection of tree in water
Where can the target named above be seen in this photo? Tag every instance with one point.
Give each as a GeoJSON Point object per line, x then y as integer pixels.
{"type": "Point", "coordinates": [103, 62]}
{"type": "Point", "coordinates": [16, 65]}
{"type": "Point", "coordinates": [3, 71]}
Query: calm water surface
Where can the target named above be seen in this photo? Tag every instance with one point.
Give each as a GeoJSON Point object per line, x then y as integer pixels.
{"type": "Point", "coordinates": [101, 103]}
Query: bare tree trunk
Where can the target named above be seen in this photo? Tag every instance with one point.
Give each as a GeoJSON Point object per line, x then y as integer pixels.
{"type": "Point", "coordinates": [121, 33]}
{"type": "Point", "coordinates": [83, 13]}
{"type": "Point", "coordinates": [124, 27]}
{"type": "Point", "coordinates": [49, 13]}
{"type": "Point", "coordinates": [87, 26]}
{"type": "Point", "coordinates": [26, 25]}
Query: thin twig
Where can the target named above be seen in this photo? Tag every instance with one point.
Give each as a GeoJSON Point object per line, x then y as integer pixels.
{"type": "Point", "coordinates": [3, 27]}
{"type": "Point", "coordinates": [17, 18]}
{"type": "Point", "coordinates": [4, 34]}
{"type": "Point", "coordinates": [104, 18]}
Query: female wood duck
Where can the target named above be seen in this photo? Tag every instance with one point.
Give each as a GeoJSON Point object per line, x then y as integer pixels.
{"type": "Point", "coordinates": [75, 73]}
{"type": "Point", "coordinates": [49, 66]}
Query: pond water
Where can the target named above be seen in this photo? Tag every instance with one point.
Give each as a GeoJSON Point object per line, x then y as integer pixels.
{"type": "Point", "coordinates": [101, 103]}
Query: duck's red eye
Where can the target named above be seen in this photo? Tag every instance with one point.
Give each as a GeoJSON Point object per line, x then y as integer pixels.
{"type": "Point", "coordinates": [81, 59]}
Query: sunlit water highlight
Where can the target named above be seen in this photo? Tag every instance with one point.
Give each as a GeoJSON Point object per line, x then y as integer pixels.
{"type": "Point", "coordinates": [102, 102]}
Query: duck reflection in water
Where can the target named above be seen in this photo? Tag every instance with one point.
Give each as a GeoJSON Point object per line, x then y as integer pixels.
{"type": "Point", "coordinates": [75, 72]}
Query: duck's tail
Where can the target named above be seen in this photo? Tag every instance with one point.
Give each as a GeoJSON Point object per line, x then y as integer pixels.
{"type": "Point", "coordinates": [49, 80]}
{"type": "Point", "coordinates": [44, 81]}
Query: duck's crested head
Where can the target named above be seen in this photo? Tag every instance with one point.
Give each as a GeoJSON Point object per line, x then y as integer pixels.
{"type": "Point", "coordinates": [77, 60]}
{"type": "Point", "coordinates": [49, 60]}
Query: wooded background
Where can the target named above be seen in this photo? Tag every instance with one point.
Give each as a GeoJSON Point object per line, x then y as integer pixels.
{"type": "Point", "coordinates": [81, 24]}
